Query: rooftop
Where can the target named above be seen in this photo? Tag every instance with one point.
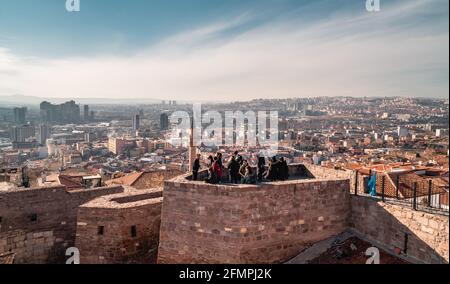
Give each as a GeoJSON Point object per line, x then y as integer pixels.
{"type": "Point", "coordinates": [128, 199]}
{"type": "Point", "coordinates": [144, 180]}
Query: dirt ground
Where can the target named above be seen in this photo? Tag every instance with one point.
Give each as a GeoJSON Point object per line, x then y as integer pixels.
{"type": "Point", "coordinates": [352, 251]}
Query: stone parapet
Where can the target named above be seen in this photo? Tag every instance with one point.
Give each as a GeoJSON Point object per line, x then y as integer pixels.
{"type": "Point", "coordinates": [265, 223]}
{"type": "Point", "coordinates": [120, 228]}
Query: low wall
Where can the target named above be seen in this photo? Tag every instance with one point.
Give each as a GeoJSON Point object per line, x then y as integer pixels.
{"type": "Point", "coordinates": [265, 223]}
{"type": "Point", "coordinates": [39, 224]}
{"type": "Point", "coordinates": [104, 228]}
{"type": "Point", "coordinates": [423, 237]}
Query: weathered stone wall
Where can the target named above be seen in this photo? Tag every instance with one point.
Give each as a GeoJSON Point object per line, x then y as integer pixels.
{"type": "Point", "coordinates": [360, 183]}
{"type": "Point", "coordinates": [116, 214]}
{"type": "Point", "coordinates": [202, 223]}
{"type": "Point", "coordinates": [268, 223]}
{"type": "Point", "coordinates": [427, 234]}
{"type": "Point", "coordinates": [54, 209]}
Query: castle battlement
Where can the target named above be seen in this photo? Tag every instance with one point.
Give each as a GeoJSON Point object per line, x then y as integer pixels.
{"type": "Point", "coordinates": [269, 222]}
{"type": "Point", "coordinates": [195, 222]}
{"type": "Point", "coordinates": [120, 228]}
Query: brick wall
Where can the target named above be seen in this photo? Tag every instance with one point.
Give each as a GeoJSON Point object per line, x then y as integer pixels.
{"type": "Point", "coordinates": [116, 214]}
{"type": "Point", "coordinates": [267, 223]}
{"type": "Point", "coordinates": [427, 234]}
{"type": "Point", "coordinates": [39, 224]}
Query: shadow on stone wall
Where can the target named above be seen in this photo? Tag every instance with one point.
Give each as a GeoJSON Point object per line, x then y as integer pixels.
{"type": "Point", "coordinates": [418, 236]}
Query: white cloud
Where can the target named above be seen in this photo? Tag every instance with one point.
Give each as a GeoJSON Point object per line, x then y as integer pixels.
{"type": "Point", "coordinates": [363, 55]}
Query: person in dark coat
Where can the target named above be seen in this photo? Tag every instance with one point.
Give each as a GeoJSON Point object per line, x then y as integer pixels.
{"type": "Point", "coordinates": [219, 159]}
{"type": "Point", "coordinates": [261, 168]}
{"type": "Point", "coordinates": [239, 158]}
{"type": "Point", "coordinates": [212, 176]}
{"type": "Point", "coordinates": [233, 169]}
{"type": "Point", "coordinates": [284, 169]}
{"type": "Point", "coordinates": [196, 168]}
{"type": "Point", "coordinates": [210, 160]}
{"type": "Point", "coordinates": [277, 167]}
{"type": "Point", "coordinates": [272, 172]}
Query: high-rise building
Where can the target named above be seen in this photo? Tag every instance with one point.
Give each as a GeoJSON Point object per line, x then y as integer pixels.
{"type": "Point", "coordinates": [402, 131]}
{"type": "Point", "coordinates": [22, 133]}
{"type": "Point", "coordinates": [164, 122]}
{"type": "Point", "coordinates": [20, 115]}
{"type": "Point", "coordinates": [43, 134]}
{"type": "Point", "coordinates": [68, 112]}
{"type": "Point", "coordinates": [86, 113]}
{"type": "Point", "coordinates": [136, 122]}
{"type": "Point", "coordinates": [88, 136]}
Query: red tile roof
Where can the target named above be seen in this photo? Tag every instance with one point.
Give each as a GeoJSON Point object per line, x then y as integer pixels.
{"type": "Point", "coordinates": [71, 182]}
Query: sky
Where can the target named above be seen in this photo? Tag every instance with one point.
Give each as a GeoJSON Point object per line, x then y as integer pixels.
{"type": "Point", "coordinates": [223, 50]}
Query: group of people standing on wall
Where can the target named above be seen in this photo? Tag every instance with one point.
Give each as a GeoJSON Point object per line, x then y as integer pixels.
{"type": "Point", "coordinates": [215, 168]}
{"type": "Point", "coordinates": [240, 170]}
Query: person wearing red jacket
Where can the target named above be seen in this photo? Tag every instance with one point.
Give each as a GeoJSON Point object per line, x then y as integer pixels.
{"type": "Point", "coordinates": [217, 168]}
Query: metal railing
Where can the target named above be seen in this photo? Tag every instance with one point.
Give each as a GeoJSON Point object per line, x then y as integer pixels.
{"type": "Point", "coordinates": [418, 195]}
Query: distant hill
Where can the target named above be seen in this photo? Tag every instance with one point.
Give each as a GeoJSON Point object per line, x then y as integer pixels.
{"type": "Point", "coordinates": [18, 100]}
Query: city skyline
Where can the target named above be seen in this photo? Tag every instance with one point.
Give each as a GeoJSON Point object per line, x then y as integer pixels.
{"type": "Point", "coordinates": [256, 132]}
{"type": "Point", "coordinates": [217, 51]}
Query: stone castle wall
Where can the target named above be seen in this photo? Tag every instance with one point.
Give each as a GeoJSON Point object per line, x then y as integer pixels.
{"type": "Point", "coordinates": [203, 223]}
{"type": "Point", "coordinates": [39, 224]}
{"type": "Point", "coordinates": [424, 237]}
{"type": "Point", "coordinates": [268, 223]}
{"type": "Point", "coordinates": [104, 229]}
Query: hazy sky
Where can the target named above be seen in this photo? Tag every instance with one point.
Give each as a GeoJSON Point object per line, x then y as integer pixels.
{"type": "Point", "coordinates": [222, 50]}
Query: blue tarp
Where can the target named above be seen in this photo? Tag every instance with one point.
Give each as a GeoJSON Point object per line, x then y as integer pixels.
{"type": "Point", "coordinates": [373, 185]}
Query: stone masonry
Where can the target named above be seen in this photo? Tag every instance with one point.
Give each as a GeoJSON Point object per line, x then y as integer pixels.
{"type": "Point", "coordinates": [39, 224]}
{"type": "Point", "coordinates": [202, 223]}
{"type": "Point", "coordinates": [273, 222]}
{"type": "Point", "coordinates": [121, 228]}
{"type": "Point", "coordinates": [424, 237]}
{"type": "Point", "coordinates": [267, 223]}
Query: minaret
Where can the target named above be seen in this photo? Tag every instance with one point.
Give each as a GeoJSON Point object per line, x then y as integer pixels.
{"type": "Point", "coordinates": [192, 149]}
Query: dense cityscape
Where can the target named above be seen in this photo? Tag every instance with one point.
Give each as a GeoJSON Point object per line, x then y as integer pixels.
{"type": "Point", "coordinates": [224, 140]}
{"type": "Point", "coordinates": [131, 149]}
{"type": "Point", "coordinates": [112, 139]}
